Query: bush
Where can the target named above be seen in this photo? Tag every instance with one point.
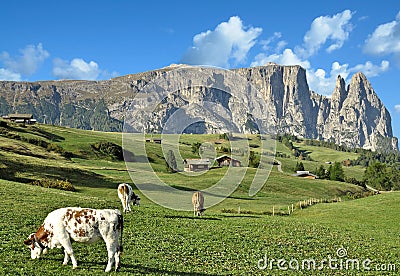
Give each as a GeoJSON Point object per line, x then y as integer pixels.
{"type": "Point", "coordinates": [224, 136]}
{"type": "Point", "coordinates": [354, 181]}
{"type": "Point", "coordinates": [55, 184]}
{"type": "Point", "coordinates": [3, 124]}
{"type": "Point", "coordinates": [196, 147]}
{"type": "Point", "coordinates": [36, 142]}
{"type": "Point", "coordinates": [254, 146]}
{"type": "Point", "coordinates": [110, 149]}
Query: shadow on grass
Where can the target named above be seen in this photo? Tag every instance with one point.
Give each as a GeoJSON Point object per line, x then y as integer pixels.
{"type": "Point", "coordinates": [155, 187]}
{"type": "Point", "coordinates": [45, 134]}
{"type": "Point", "coordinates": [125, 267]}
{"type": "Point", "coordinates": [129, 268]}
{"type": "Point", "coordinates": [36, 131]}
{"type": "Point", "coordinates": [193, 217]}
{"type": "Point", "coordinates": [240, 216]}
{"type": "Point", "coordinates": [12, 170]}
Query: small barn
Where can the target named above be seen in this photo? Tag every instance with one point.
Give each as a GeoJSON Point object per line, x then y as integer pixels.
{"type": "Point", "coordinates": [196, 165]}
{"type": "Point", "coordinates": [226, 160]}
{"type": "Point", "coordinates": [21, 118]}
{"type": "Point", "coordinates": [305, 174]}
{"type": "Point", "coordinates": [157, 140]}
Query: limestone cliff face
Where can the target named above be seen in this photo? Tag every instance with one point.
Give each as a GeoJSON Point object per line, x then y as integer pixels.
{"type": "Point", "coordinates": [288, 97]}
{"type": "Point", "coordinates": [353, 116]}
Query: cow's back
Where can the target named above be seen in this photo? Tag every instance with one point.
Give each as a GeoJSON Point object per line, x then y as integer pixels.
{"type": "Point", "coordinates": [89, 225]}
{"type": "Point", "coordinates": [123, 190]}
{"type": "Point", "coordinates": [198, 199]}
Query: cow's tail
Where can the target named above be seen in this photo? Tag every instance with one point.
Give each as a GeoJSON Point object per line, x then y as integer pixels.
{"type": "Point", "coordinates": [125, 196]}
{"type": "Point", "coordinates": [121, 225]}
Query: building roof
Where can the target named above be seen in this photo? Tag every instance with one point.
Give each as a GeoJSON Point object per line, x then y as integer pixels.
{"type": "Point", "coordinates": [197, 161]}
{"type": "Point", "coordinates": [225, 157]}
{"type": "Point", "coordinates": [304, 173]}
{"type": "Point", "coordinates": [20, 116]}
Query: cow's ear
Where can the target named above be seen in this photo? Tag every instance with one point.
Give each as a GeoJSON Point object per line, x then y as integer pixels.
{"type": "Point", "coordinates": [28, 242]}
{"type": "Point", "coordinates": [31, 238]}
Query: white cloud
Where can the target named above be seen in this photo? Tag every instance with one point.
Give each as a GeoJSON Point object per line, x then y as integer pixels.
{"type": "Point", "coordinates": [333, 29]}
{"type": "Point", "coordinates": [77, 69]}
{"type": "Point", "coordinates": [229, 42]}
{"type": "Point", "coordinates": [371, 70]}
{"type": "Point", "coordinates": [287, 57]}
{"type": "Point", "coordinates": [324, 83]}
{"type": "Point", "coordinates": [397, 108]}
{"type": "Point", "coordinates": [28, 62]}
{"type": "Point", "coordinates": [385, 40]}
{"type": "Point", "coordinates": [330, 30]}
{"type": "Point", "coordinates": [6, 74]}
{"type": "Point", "coordinates": [267, 42]}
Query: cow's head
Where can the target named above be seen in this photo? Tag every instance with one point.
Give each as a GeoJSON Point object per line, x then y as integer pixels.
{"type": "Point", "coordinates": [135, 199]}
{"type": "Point", "coordinates": [201, 212]}
{"type": "Point", "coordinates": [36, 247]}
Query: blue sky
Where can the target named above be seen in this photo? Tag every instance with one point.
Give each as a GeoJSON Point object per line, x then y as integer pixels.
{"type": "Point", "coordinates": [45, 40]}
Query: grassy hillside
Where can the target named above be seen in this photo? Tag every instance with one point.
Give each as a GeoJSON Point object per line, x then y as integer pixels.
{"type": "Point", "coordinates": [163, 241]}
{"type": "Point", "coordinates": [25, 162]}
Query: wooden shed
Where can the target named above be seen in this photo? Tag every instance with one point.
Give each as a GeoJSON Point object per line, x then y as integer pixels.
{"type": "Point", "coordinates": [305, 174]}
{"type": "Point", "coordinates": [196, 165]}
{"type": "Point", "coordinates": [226, 160]}
{"type": "Point", "coordinates": [21, 118]}
{"type": "Point", "coordinates": [157, 140]}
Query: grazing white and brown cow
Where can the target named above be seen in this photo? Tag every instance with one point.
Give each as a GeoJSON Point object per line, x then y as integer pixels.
{"type": "Point", "coordinates": [127, 196]}
{"type": "Point", "coordinates": [81, 225]}
{"type": "Point", "coordinates": [198, 203]}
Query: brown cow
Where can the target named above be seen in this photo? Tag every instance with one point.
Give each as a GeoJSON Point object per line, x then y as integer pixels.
{"type": "Point", "coordinates": [82, 225]}
{"type": "Point", "coordinates": [127, 196]}
{"type": "Point", "coordinates": [198, 203]}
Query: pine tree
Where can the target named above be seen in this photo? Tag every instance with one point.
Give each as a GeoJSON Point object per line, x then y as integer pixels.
{"type": "Point", "coordinates": [336, 172]}
{"type": "Point", "coordinates": [299, 166]}
{"type": "Point", "coordinates": [376, 175]}
{"type": "Point", "coordinates": [254, 160]}
{"type": "Point", "coordinates": [321, 172]}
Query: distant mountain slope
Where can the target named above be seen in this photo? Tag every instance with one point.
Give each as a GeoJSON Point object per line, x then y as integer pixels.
{"type": "Point", "coordinates": [353, 116]}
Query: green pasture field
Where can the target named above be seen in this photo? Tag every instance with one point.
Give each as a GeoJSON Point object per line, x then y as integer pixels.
{"type": "Point", "coordinates": [160, 241]}
{"type": "Point", "coordinates": [235, 237]}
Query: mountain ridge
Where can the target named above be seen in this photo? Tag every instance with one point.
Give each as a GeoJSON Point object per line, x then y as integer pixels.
{"type": "Point", "coordinates": [353, 116]}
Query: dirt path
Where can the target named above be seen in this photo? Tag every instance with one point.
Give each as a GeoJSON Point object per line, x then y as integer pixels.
{"type": "Point", "coordinates": [372, 189]}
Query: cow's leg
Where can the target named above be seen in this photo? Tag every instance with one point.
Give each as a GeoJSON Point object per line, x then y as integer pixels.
{"type": "Point", "coordinates": [123, 204]}
{"type": "Point", "coordinates": [69, 253]}
{"type": "Point", "coordinates": [66, 258]}
{"type": "Point", "coordinates": [128, 204]}
{"type": "Point", "coordinates": [117, 260]}
{"type": "Point", "coordinates": [111, 250]}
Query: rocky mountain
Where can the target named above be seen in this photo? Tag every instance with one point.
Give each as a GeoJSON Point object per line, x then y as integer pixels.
{"type": "Point", "coordinates": [208, 103]}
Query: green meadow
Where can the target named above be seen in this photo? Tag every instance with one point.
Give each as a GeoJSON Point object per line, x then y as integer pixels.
{"type": "Point", "coordinates": [242, 235]}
